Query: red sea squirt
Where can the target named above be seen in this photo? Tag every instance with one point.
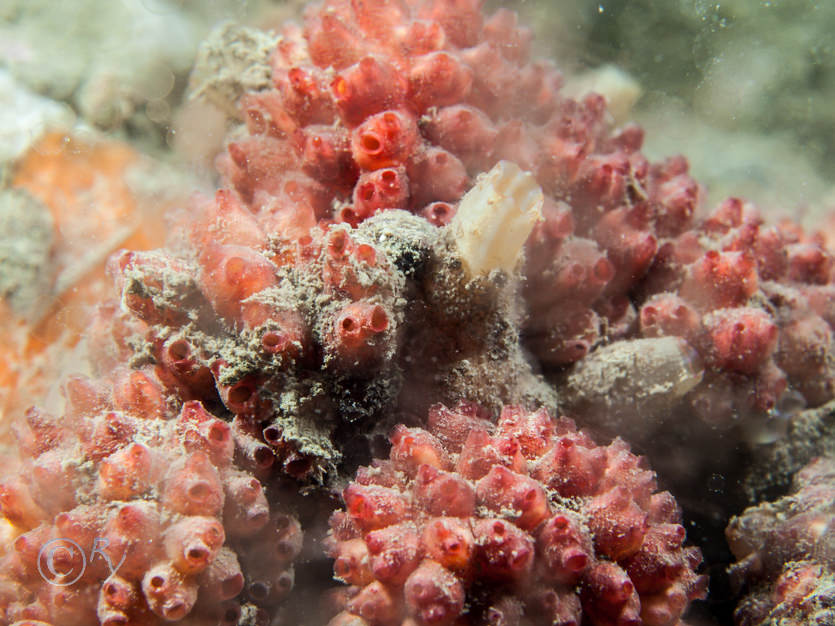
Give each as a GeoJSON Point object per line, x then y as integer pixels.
{"type": "Point", "coordinates": [609, 541]}
{"type": "Point", "coordinates": [422, 104]}
{"type": "Point", "coordinates": [378, 105]}
{"type": "Point", "coordinates": [163, 500]}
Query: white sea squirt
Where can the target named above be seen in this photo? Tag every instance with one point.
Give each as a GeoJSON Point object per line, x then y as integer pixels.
{"type": "Point", "coordinates": [495, 218]}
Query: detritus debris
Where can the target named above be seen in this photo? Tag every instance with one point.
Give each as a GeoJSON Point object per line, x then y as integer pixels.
{"type": "Point", "coordinates": [231, 61]}
{"type": "Point", "coordinates": [811, 433]}
{"type": "Point", "coordinates": [27, 273]}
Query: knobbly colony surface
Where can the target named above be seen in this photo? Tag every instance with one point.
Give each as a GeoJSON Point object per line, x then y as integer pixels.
{"type": "Point", "coordinates": [395, 347]}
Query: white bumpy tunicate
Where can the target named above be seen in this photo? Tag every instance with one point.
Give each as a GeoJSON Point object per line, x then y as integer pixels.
{"type": "Point", "coordinates": [495, 217]}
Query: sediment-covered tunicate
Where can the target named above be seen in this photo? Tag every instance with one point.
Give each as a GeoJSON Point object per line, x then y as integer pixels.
{"type": "Point", "coordinates": [785, 553]}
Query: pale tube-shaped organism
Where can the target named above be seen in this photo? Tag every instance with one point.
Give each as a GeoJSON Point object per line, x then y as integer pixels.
{"type": "Point", "coordinates": [495, 217]}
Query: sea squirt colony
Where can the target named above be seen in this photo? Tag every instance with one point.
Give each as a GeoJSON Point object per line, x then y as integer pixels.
{"type": "Point", "coordinates": [411, 214]}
